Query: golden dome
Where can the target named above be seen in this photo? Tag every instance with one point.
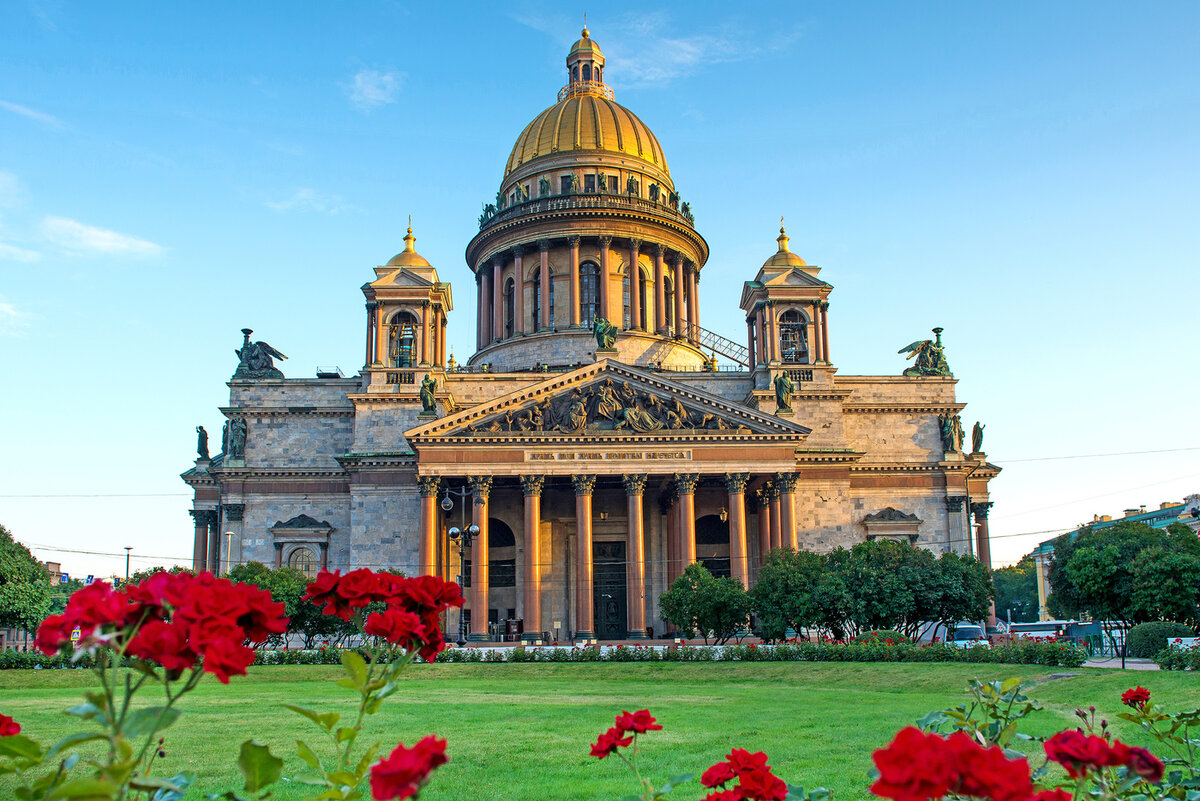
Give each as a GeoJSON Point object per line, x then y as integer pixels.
{"type": "Point", "coordinates": [584, 45]}
{"type": "Point", "coordinates": [784, 257]}
{"type": "Point", "coordinates": [408, 257]}
{"type": "Point", "coordinates": [587, 123]}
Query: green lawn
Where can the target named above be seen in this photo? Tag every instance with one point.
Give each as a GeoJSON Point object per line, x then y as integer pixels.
{"type": "Point", "coordinates": [522, 731]}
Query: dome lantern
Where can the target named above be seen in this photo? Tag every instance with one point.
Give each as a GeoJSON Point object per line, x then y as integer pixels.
{"type": "Point", "coordinates": [585, 69]}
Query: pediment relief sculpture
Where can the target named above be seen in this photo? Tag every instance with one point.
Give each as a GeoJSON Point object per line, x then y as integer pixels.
{"type": "Point", "coordinates": [608, 405]}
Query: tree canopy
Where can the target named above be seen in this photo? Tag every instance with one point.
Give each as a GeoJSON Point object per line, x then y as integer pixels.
{"type": "Point", "coordinates": [24, 586]}
{"type": "Point", "coordinates": [701, 604]}
{"type": "Point", "coordinates": [1129, 571]}
{"type": "Point", "coordinates": [1016, 591]}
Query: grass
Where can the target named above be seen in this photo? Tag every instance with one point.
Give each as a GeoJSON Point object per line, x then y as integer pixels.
{"type": "Point", "coordinates": [522, 731]}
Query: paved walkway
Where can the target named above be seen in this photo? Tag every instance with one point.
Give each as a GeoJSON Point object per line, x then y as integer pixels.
{"type": "Point", "coordinates": [1115, 662]}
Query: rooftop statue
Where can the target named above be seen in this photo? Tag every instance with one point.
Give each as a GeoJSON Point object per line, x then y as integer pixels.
{"type": "Point", "coordinates": [255, 359]}
{"type": "Point", "coordinates": [784, 389]}
{"type": "Point", "coordinates": [604, 332]}
{"type": "Point", "coordinates": [977, 437]}
{"type": "Point", "coordinates": [930, 357]}
{"type": "Point", "coordinates": [201, 442]}
{"type": "Point", "coordinates": [428, 386]}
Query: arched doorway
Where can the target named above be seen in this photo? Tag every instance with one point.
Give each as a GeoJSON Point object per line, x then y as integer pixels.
{"type": "Point", "coordinates": [712, 544]}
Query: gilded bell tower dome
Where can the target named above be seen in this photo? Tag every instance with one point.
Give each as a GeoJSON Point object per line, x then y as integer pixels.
{"type": "Point", "coordinates": [587, 224]}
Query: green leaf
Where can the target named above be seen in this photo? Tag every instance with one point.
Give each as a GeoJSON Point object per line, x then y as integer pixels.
{"type": "Point", "coordinates": [344, 777]}
{"type": "Point", "coordinates": [367, 759]}
{"type": "Point", "coordinates": [84, 788]}
{"type": "Point", "coordinates": [20, 747]}
{"type": "Point", "coordinates": [154, 783]}
{"type": "Point", "coordinates": [259, 766]}
{"type": "Point", "coordinates": [86, 711]}
{"type": "Point", "coordinates": [326, 721]}
{"type": "Point", "coordinates": [674, 782]}
{"type": "Point", "coordinates": [148, 721]}
{"type": "Point", "coordinates": [180, 780]}
{"type": "Point", "coordinates": [356, 667]}
{"type": "Point", "coordinates": [346, 733]}
{"type": "Point", "coordinates": [308, 755]}
{"type": "Point", "coordinates": [228, 795]}
{"type": "Point", "coordinates": [72, 740]}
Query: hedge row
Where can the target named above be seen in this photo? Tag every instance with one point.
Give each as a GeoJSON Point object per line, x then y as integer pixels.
{"type": "Point", "coordinates": [1052, 654]}
{"type": "Point", "coordinates": [1178, 658]}
{"type": "Point", "coordinates": [1027, 653]}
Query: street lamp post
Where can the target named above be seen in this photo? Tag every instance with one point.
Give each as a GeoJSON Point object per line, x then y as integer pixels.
{"type": "Point", "coordinates": [128, 548]}
{"type": "Point", "coordinates": [462, 537]}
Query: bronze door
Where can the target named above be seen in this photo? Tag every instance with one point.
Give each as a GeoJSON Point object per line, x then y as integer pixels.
{"type": "Point", "coordinates": [608, 583]}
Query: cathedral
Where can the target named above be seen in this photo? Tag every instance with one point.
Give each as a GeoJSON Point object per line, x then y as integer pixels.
{"type": "Point", "coordinates": [593, 445]}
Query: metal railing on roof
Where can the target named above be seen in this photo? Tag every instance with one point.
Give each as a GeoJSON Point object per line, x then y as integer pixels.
{"type": "Point", "coordinates": [594, 200]}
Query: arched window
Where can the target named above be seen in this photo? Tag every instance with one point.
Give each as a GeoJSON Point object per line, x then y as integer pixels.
{"type": "Point", "coordinates": [589, 293]}
{"type": "Point", "coordinates": [669, 303]}
{"type": "Point", "coordinates": [793, 337]}
{"type": "Point", "coordinates": [402, 340]}
{"type": "Point", "coordinates": [626, 312]}
{"type": "Point", "coordinates": [304, 560]}
{"type": "Point", "coordinates": [509, 307]}
{"type": "Point", "coordinates": [536, 314]}
{"type": "Point", "coordinates": [575, 73]}
{"type": "Point", "coordinates": [587, 72]}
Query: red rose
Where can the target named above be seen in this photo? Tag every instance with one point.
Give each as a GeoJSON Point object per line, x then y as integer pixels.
{"type": "Point", "coordinates": [723, 795]}
{"type": "Point", "coordinates": [359, 588]}
{"type": "Point", "coordinates": [1057, 794]}
{"type": "Point", "coordinates": [97, 605]}
{"type": "Point", "coordinates": [914, 767]}
{"type": "Point", "coordinates": [1080, 753]}
{"type": "Point", "coordinates": [988, 773]}
{"type": "Point", "coordinates": [1137, 698]}
{"type": "Point", "coordinates": [1145, 764]}
{"type": "Point", "coordinates": [394, 625]}
{"type": "Point", "coordinates": [405, 770]}
{"type": "Point", "coordinates": [761, 785]}
{"type": "Point", "coordinates": [54, 632]}
{"type": "Point", "coordinates": [718, 774]}
{"type": "Point", "coordinates": [742, 760]}
{"type": "Point", "coordinates": [224, 658]}
{"type": "Point", "coordinates": [258, 615]}
{"type": "Point", "coordinates": [638, 722]}
{"type": "Point", "coordinates": [164, 643]}
{"type": "Point", "coordinates": [323, 591]}
{"type": "Point", "coordinates": [609, 742]}
{"type": "Point", "coordinates": [8, 726]}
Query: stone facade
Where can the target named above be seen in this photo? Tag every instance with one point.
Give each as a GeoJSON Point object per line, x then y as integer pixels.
{"type": "Point", "coordinates": [647, 456]}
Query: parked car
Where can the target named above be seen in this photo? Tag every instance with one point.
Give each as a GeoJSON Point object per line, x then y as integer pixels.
{"type": "Point", "coordinates": [968, 635]}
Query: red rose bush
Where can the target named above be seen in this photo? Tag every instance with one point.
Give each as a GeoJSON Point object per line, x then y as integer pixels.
{"type": "Point", "coordinates": [172, 629]}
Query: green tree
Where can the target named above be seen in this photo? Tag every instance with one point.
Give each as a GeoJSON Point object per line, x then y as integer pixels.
{"type": "Point", "coordinates": [1016, 591]}
{"type": "Point", "coordinates": [287, 586]}
{"type": "Point", "coordinates": [964, 590]}
{"type": "Point", "coordinates": [60, 593]}
{"type": "Point", "coordinates": [24, 586]}
{"type": "Point", "coordinates": [700, 604]}
{"type": "Point", "coordinates": [880, 596]}
{"type": "Point", "coordinates": [1166, 586]}
{"type": "Point", "coordinates": [797, 590]}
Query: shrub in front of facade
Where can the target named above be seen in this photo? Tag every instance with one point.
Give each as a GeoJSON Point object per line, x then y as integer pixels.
{"type": "Point", "coordinates": [1145, 640]}
{"type": "Point", "coordinates": [1177, 658]}
{"type": "Point", "coordinates": [881, 635]}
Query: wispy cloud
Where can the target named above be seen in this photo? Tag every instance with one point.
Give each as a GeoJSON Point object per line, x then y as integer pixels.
{"type": "Point", "coordinates": [13, 321]}
{"type": "Point", "coordinates": [645, 48]}
{"type": "Point", "coordinates": [31, 113]}
{"type": "Point", "coordinates": [14, 253]}
{"type": "Point", "coordinates": [76, 237]}
{"type": "Point", "coordinates": [306, 199]}
{"type": "Point", "coordinates": [12, 194]}
{"type": "Point", "coordinates": [371, 89]}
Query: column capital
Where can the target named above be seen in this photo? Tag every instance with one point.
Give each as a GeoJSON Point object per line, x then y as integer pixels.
{"type": "Point", "coordinates": [372, 305]}
{"type": "Point", "coordinates": [954, 503]}
{"type": "Point", "coordinates": [786, 481]}
{"type": "Point", "coordinates": [428, 485]}
{"type": "Point", "coordinates": [573, 241]}
{"type": "Point", "coordinates": [980, 509]}
{"type": "Point", "coordinates": [532, 485]}
{"type": "Point", "coordinates": [517, 251]}
{"type": "Point", "coordinates": [635, 244]}
{"type": "Point", "coordinates": [770, 303]}
{"type": "Point", "coordinates": [824, 305]}
{"type": "Point", "coordinates": [675, 260]}
{"type": "Point", "coordinates": [686, 482]}
{"type": "Point", "coordinates": [659, 249]}
{"type": "Point", "coordinates": [234, 511]}
{"type": "Point", "coordinates": [635, 483]}
{"type": "Point", "coordinates": [584, 485]}
{"type": "Point", "coordinates": [736, 482]}
{"type": "Point", "coordinates": [543, 245]}
{"type": "Point", "coordinates": [203, 517]}
{"type": "Point", "coordinates": [481, 487]}
{"type": "Point", "coordinates": [606, 241]}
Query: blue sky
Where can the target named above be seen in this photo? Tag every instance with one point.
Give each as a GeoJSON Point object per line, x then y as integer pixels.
{"type": "Point", "coordinates": [1026, 175]}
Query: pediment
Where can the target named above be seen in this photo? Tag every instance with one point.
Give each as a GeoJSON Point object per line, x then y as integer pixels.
{"type": "Point", "coordinates": [606, 399]}
{"type": "Point", "coordinates": [793, 277]}
{"type": "Point", "coordinates": [404, 277]}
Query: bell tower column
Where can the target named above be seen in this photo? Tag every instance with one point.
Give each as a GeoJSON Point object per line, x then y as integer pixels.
{"type": "Point", "coordinates": [518, 278]}
{"type": "Point", "coordinates": [635, 284]}
{"type": "Point", "coordinates": [544, 315]}
{"type": "Point", "coordinates": [693, 312]}
{"type": "Point", "coordinates": [660, 317]}
{"type": "Point", "coordinates": [605, 246]}
{"type": "Point", "coordinates": [677, 284]}
{"type": "Point", "coordinates": [573, 242]}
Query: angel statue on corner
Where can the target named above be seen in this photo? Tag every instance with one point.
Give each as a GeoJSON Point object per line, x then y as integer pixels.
{"type": "Point", "coordinates": [930, 357]}
{"type": "Point", "coordinates": [255, 359]}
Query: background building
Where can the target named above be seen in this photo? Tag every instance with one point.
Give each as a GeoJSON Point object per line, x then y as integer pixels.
{"type": "Point", "coordinates": [602, 444]}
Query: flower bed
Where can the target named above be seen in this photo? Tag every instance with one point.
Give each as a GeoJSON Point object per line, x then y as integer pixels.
{"type": "Point", "coordinates": [1177, 657]}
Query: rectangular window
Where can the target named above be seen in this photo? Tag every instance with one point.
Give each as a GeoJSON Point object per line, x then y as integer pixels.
{"type": "Point", "coordinates": [589, 183]}
{"type": "Point", "coordinates": [566, 185]}
{"type": "Point", "coordinates": [503, 572]}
